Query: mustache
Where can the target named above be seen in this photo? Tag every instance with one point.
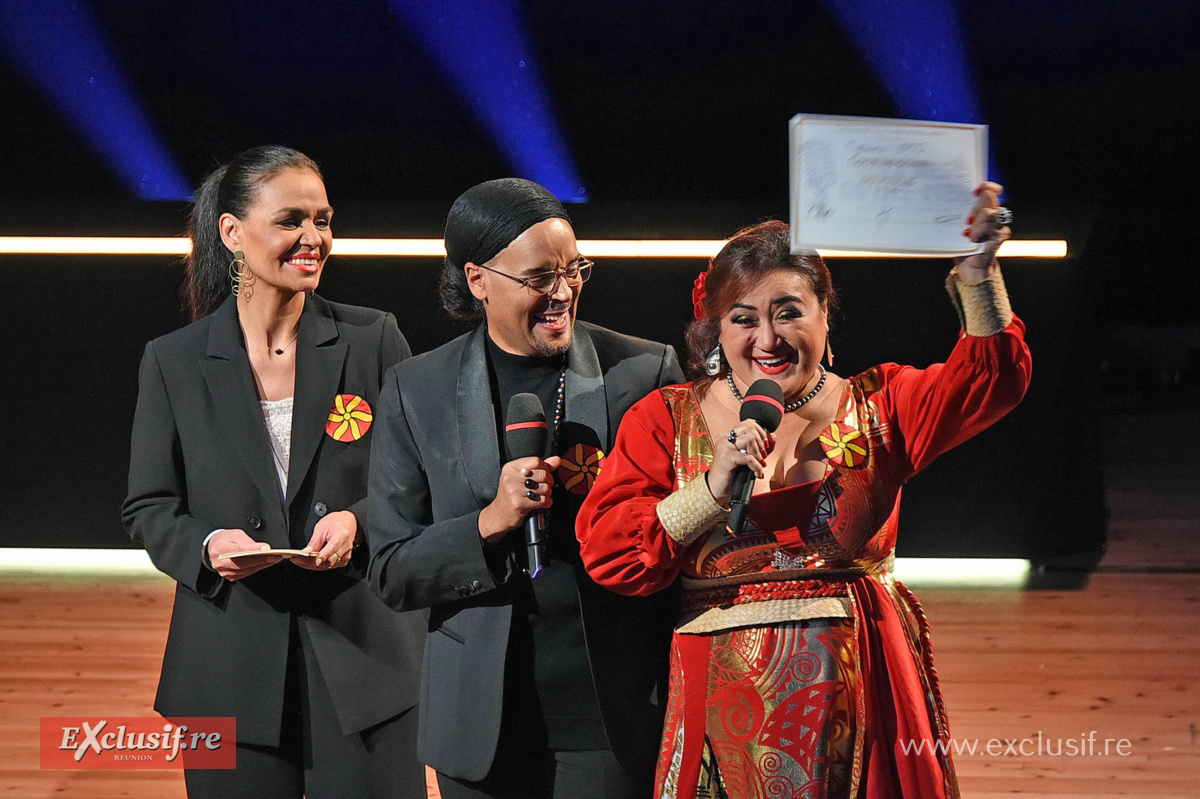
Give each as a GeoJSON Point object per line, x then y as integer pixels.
{"type": "Point", "coordinates": [555, 306]}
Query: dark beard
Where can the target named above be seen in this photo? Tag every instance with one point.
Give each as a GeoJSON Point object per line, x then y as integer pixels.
{"type": "Point", "coordinates": [548, 351]}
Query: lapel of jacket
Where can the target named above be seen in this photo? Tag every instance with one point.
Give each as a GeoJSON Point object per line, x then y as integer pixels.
{"type": "Point", "coordinates": [227, 374]}
{"type": "Point", "coordinates": [320, 357]}
{"type": "Point", "coordinates": [587, 403]}
{"type": "Point", "coordinates": [479, 447]}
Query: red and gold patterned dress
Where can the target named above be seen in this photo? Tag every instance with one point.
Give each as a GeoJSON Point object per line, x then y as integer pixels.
{"type": "Point", "coordinates": [800, 667]}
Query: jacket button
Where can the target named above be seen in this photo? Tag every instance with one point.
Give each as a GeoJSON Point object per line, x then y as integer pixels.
{"type": "Point", "coordinates": [475, 586]}
{"type": "Point", "coordinates": [320, 508]}
{"type": "Point", "coordinates": [254, 522]}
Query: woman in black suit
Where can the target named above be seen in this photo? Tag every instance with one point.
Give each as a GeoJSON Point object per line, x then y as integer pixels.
{"type": "Point", "coordinates": [252, 432]}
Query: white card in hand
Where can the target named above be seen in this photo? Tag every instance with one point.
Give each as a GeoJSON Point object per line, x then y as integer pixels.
{"type": "Point", "coordinates": [884, 185]}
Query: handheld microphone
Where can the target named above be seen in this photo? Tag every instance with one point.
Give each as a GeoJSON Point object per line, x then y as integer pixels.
{"type": "Point", "coordinates": [764, 404]}
{"type": "Point", "coordinates": [525, 435]}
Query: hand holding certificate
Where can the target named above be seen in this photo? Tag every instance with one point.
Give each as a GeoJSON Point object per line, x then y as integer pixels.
{"type": "Point", "coordinates": [285, 554]}
{"type": "Point", "coordinates": [235, 555]}
{"type": "Point", "coordinates": [884, 185]}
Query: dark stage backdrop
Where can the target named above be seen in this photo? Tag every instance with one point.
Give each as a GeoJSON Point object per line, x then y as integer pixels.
{"type": "Point", "coordinates": [74, 329]}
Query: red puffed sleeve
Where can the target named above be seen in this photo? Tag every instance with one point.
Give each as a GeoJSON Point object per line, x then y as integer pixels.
{"type": "Point", "coordinates": [938, 408]}
{"type": "Point", "coordinates": [621, 540]}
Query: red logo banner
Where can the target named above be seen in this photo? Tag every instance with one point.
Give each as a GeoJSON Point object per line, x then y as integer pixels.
{"type": "Point", "coordinates": [137, 742]}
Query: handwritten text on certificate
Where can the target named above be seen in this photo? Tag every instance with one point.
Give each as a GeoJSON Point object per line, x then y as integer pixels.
{"type": "Point", "coordinates": [884, 185]}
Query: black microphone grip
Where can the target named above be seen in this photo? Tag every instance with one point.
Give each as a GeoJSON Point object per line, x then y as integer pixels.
{"type": "Point", "coordinates": [535, 542]}
{"type": "Point", "coordinates": [739, 499]}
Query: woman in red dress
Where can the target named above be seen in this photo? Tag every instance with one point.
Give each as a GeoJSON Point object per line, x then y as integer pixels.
{"type": "Point", "coordinates": [800, 667]}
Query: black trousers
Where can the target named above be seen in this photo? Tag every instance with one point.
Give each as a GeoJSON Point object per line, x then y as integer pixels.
{"type": "Point", "coordinates": [314, 759]}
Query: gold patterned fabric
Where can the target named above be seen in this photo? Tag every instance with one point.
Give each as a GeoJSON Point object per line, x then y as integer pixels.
{"type": "Point", "coordinates": [777, 677]}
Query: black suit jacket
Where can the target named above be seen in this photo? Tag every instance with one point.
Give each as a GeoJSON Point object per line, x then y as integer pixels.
{"type": "Point", "coordinates": [201, 460]}
{"type": "Point", "coordinates": [435, 463]}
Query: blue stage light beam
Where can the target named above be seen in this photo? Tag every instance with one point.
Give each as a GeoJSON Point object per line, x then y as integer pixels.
{"type": "Point", "coordinates": [918, 53]}
{"type": "Point", "coordinates": [60, 48]}
{"type": "Point", "coordinates": [483, 48]}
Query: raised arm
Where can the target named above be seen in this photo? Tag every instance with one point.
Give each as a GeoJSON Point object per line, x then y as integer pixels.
{"type": "Point", "coordinates": [988, 371]}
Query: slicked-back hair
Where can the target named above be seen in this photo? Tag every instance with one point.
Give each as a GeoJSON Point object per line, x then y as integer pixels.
{"type": "Point", "coordinates": [228, 189]}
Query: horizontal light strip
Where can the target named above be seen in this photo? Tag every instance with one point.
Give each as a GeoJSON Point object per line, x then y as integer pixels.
{"type": "Point", "coordinates": [598, 248]}
{"type": "Point", "coordinates": [92, 245]}
{"type": "Point", "coordinates": [988, 572]}
{"type": "Point", "coordinates": [62, 562]}
{"type": "Point", "coordinates": [963, 572]}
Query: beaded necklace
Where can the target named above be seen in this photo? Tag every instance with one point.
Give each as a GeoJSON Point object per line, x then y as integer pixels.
{"type": "Point", "coordinates": [788, 408]}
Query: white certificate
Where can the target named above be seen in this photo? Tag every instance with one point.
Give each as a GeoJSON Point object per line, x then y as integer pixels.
{"type": "Point", "coordinates": [884, 185]}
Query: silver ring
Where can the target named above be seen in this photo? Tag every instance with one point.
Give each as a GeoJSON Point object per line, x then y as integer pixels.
{"type": "Point", "coordinates": [334, 558]}
{"type": "Point", "coordinates": [744, 452]}
{"type": "Point", "coordinates": [732, 437]}
{"type": "Point", "coordinates": [1003, 217]}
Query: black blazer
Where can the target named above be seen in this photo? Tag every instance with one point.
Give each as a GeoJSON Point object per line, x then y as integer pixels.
{"type": "Point", "coordinates": [435, 463]}
{"type": "Point", "coordinates": [201, 460]}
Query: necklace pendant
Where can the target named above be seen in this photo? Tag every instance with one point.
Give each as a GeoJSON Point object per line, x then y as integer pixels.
{"type": "Point", "coordinates": [279, 352]}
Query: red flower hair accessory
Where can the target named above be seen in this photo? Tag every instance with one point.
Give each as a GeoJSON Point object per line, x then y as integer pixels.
{"type": "Point", "coordinates": [698, 294]}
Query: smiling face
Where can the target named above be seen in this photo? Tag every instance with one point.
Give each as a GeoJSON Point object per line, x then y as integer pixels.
{"type": "Point", "coordinates": [776, 330]}
{"type": "Point", "coordinates": [286, 234]}
{"type": "Point", "coordinates": [518, 321]}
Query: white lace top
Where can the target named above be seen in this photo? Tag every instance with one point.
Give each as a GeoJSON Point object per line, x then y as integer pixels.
{"type": "Point", "coordinates": [277, 415]}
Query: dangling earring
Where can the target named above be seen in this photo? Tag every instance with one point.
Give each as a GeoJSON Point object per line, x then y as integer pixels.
{"type": "Point", "coordinates": [712, 364]}
{"type": "Point", "coordinates": [241, 279]}
{"type": "Point", "coordinates": [828, 352]}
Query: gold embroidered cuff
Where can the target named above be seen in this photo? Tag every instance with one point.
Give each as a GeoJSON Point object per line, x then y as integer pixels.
{"type": "Point", "coordinates": [690, 512]}
{"type": "Point", "coordinates": [983, 309]}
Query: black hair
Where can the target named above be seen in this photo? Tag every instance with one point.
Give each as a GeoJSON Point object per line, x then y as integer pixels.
{"type": "Point", "coordinates": [229, 189]}
{"type": "Point", "coordinates": [483, 221]}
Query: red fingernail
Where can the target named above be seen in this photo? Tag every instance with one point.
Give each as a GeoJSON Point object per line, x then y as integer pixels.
{"type": "Point", "coordinates": [978, 191]}
{"type": "Point", "coordinates": [970, 220]}
{"type": "Point", "coordinates": [967, 232]}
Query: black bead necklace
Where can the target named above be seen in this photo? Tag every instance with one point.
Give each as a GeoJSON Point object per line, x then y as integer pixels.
{"type": "Point", "coordinates": [791, 406]}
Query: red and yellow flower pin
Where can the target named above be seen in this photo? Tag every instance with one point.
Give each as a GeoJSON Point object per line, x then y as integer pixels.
{"type": "Point", "coordinates": [349, 419]}
{"type": "Point", "coordinates": [579, 469]}
{"type": "Point", "coordinates": [843, 445]}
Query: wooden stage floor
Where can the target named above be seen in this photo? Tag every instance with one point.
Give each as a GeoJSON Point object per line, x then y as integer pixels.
{"type": "Point", "coordinates": [1119, 656]}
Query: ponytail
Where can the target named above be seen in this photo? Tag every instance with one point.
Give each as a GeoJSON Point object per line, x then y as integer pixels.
{"type": "Point", "coordinates": [229, 189]}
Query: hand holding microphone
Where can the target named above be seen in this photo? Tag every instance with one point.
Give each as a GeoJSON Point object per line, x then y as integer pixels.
{"type": "Point", "coordinates": [735, 467]}
{"type": "Point", "coordinates": [526, 480]}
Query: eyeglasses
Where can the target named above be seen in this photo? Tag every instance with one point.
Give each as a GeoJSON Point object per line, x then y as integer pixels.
{"type": "Point", "coordinates": [575, 273]}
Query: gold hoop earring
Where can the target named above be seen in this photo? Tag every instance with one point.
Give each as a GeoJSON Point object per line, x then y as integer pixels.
{"type": "Point", "coordinates": [241, 279]}
{"type": "Point", "coordinates": [828, 352]}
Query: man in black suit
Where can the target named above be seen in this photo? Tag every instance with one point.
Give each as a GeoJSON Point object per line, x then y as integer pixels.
{"type": "Point", "coordinates": [549, 686]}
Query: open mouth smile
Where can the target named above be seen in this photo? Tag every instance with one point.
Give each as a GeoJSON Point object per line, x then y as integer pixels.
{"type": "Point", "coordinates": [774, 364]}
{"type": "Point", "coordinates": [305, 262]}
{"type": "Point", "coordinates": [554, 320]}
